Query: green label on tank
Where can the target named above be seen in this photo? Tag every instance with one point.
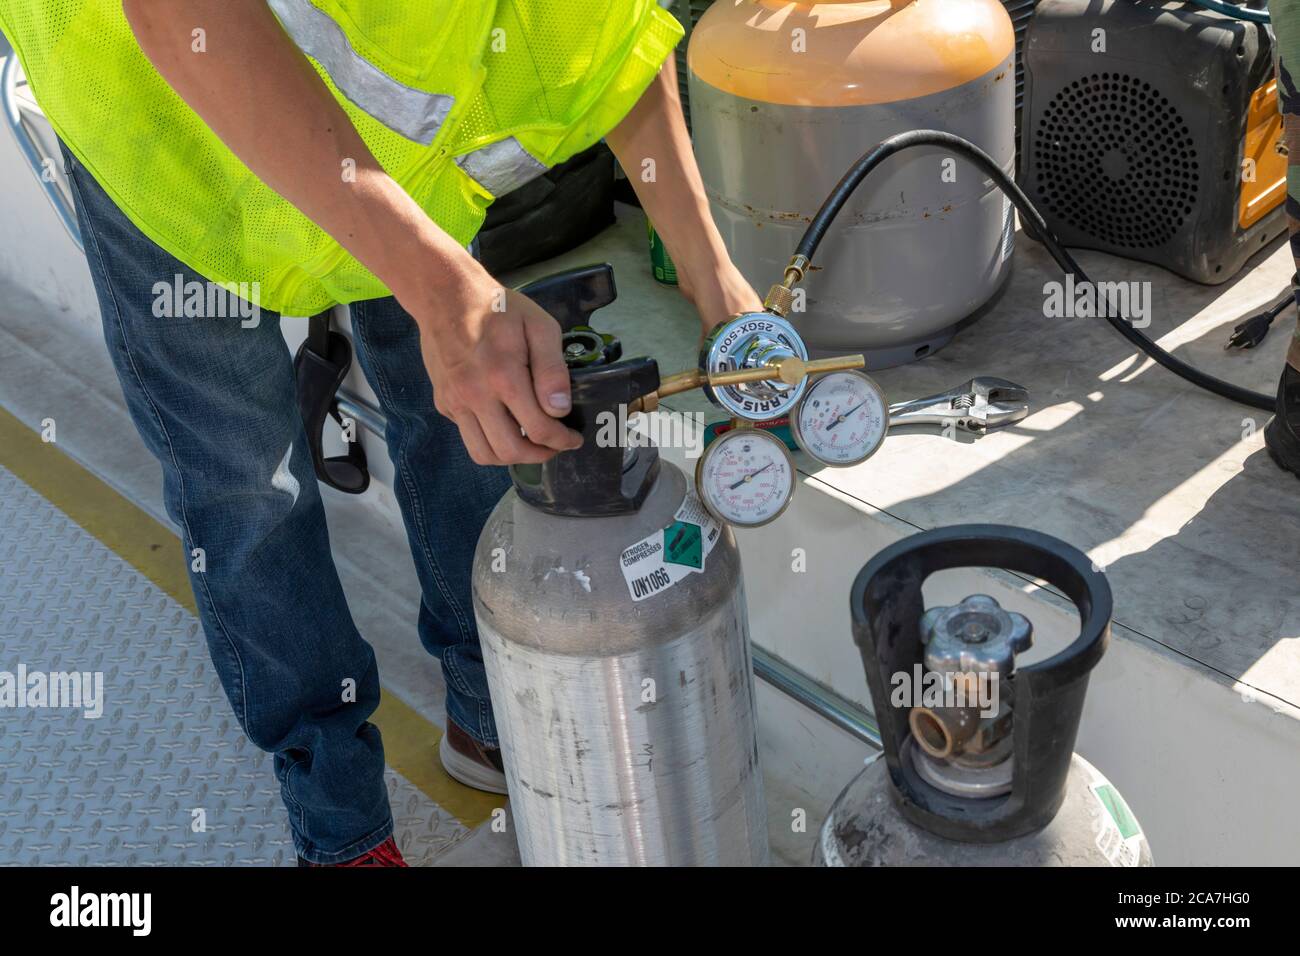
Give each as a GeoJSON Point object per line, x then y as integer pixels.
{"type": "Point", "coordinates": [1118, 810]}
{"type": "Point", "coordinates": [684, 544]}
{"type": "Point", "coordinates": [672, 554]}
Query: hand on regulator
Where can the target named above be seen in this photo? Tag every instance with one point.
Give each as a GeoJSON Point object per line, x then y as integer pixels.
{"type": "Point", "coordinates": [722, 295]}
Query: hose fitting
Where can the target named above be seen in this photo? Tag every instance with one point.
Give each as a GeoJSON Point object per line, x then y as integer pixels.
{"type": "Point", "coordinates": [781, 296]}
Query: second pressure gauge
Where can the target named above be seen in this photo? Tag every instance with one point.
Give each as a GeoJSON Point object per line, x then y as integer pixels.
{"type": "Point", "coordinates": [842, 418]}
{"type": "Point", "coordinates": [745, 477]}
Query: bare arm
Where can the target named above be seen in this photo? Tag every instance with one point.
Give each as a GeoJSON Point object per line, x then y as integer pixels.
{"type": "Point", "coordinates": [675, 201]}
{"type": "Point", "coordinates": [492, 371]}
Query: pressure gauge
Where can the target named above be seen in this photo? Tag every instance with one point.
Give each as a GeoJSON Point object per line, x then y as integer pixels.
{"type": "Point", "coordinates": [745, 477]}
{"type": "Point", "coordinates": [747, 342]}
{"type": "Point", "coordinates": [842, 418]}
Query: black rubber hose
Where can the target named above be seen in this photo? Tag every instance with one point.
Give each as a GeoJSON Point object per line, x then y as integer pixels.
{"type": "Point", "coordinates": [929, 137]}
{"type": "Point", "coordinates": [1236, 11]}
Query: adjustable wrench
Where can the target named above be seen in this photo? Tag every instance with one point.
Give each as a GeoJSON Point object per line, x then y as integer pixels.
{"type": "Point", "coordinates": [981, 404]}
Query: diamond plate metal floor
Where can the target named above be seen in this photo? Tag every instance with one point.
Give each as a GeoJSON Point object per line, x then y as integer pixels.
{"type": "Point", "coordinates": [127, 787]}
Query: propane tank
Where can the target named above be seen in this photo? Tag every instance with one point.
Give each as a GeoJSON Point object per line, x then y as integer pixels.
{"type": "Point", "coordinates": [787, 95]}
{"type": "Point", "coordinates": [978, 768]}
{"type": "Point", "coordinates": [612, 618]}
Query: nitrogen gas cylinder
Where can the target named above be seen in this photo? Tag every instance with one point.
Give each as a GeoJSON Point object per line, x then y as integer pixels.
{"type": "Point", "coordinates": [787, 95]}
{"type": "Point", "coordinates": [978, 766]}
{"type": "Point", "coordinates": [612, 618]}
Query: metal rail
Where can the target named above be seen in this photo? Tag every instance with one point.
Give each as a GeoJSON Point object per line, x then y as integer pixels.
{"type": "Point", "coordinates": [818, 698]}
{"type": "Point", "coordinates": [31, 149]}
{"type": "Point", "coordinates": [352, 405]}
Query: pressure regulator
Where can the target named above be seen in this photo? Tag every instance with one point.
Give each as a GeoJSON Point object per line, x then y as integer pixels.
{"type": "Point", "coordinates": [756, 368]}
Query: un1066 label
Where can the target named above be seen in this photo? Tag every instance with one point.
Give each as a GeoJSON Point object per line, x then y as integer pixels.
{"type": "Point", "coordinates": [660, 560]}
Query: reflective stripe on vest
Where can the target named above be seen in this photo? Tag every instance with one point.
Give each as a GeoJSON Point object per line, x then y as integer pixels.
{"type": "Point", "coordinates": [413, 113]}
{"type": "Point", "coordinates": [501, 166]}
{"type": "Point", "coordinates": [418, 115]}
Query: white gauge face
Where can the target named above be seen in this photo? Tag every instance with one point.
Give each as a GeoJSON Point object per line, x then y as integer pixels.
{"type": "Point", "coordinates": [745, 477]}
{"type": "Point", "coordinates": [842, 418]}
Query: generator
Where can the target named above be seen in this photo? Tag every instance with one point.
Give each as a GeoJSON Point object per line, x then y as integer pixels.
{"type": "Point", "coordinates": [1021, 12]}
{"type": "Point", "coordinates": [1151, 131]}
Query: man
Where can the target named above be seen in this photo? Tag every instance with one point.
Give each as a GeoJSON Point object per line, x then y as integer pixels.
{"type": "Point", "coordinates": [1282, 433]}
{"type": "Point", "coordinates": [202, 142]}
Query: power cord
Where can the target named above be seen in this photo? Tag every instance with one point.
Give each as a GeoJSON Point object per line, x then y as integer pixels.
{"type": "Point", "coordinates": [1250, 333]}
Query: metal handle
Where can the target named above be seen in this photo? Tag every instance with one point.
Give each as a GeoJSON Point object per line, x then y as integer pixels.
{"type": "Point", "coordinates": [31, 150]}
{"type": "Point", "coordinates": [931, 410]}
{"type": "Point", "coordinates": [790, 370]}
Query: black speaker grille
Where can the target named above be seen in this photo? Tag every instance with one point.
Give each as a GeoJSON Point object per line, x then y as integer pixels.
{"type": "Point", "coordinates": [1114, 159]}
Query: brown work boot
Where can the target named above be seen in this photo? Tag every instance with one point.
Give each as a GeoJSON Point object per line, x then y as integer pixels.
{"type": "Point", "coordinates": [467, 760]}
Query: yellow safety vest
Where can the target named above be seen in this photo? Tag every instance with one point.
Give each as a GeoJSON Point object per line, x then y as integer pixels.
{"type": "Point", "coordinates": [459, 100]}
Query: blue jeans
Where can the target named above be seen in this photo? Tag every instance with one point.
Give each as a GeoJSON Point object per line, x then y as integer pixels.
{"type": "Point", "coordinates": [214, 401]}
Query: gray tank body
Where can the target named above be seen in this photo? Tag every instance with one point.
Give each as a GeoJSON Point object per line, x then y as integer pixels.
{"type": "Point", "coordinates": [1094, 827]}
{"type": "Point", "coordinates": [628, 728]}
{"type": "Point", "coordinates": [917, 250]}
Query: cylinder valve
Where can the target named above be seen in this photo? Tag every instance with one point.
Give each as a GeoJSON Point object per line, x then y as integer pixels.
{"type": "Point", "coordinates": [982, 751]}
{"type": "Point", "coordinates": [965, 735]}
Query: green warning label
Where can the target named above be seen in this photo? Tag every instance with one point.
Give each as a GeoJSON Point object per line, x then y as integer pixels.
{"type": "Point", "coordinates": [665, 557]}
{"type": "Point", "coordinates": [1118, 810]}
{"type": "Point", "coordinates": [684, 544]}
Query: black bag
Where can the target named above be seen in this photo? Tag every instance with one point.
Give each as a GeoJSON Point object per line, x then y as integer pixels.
{"type": "Point", "coordinates": [550, 215]}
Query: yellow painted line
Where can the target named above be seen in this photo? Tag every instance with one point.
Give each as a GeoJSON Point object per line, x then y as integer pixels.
{"type": "Point", "coordinates": [411, 748]}
{"type": "Point", "coordinates": [153, 549]}
{"type": "Point", "coordinates": [147, 545]}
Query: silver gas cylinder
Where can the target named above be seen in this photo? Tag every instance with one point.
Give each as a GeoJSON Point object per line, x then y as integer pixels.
{"type": "Point", "coordinates": [1094, 827]}
{"type": "Point", "coordinates": [612, 618]}
{"type": "Point", "coordinates": [786, 96]}
{"type": "Point", "coordinates": [977, 768]}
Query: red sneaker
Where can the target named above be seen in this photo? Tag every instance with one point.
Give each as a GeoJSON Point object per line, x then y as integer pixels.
{"type": "Point", "coordinates": [386, 854]}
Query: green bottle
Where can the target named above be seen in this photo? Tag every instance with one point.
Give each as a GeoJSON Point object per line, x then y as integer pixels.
{"type": "Point", "coordinates": [660, 262]}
